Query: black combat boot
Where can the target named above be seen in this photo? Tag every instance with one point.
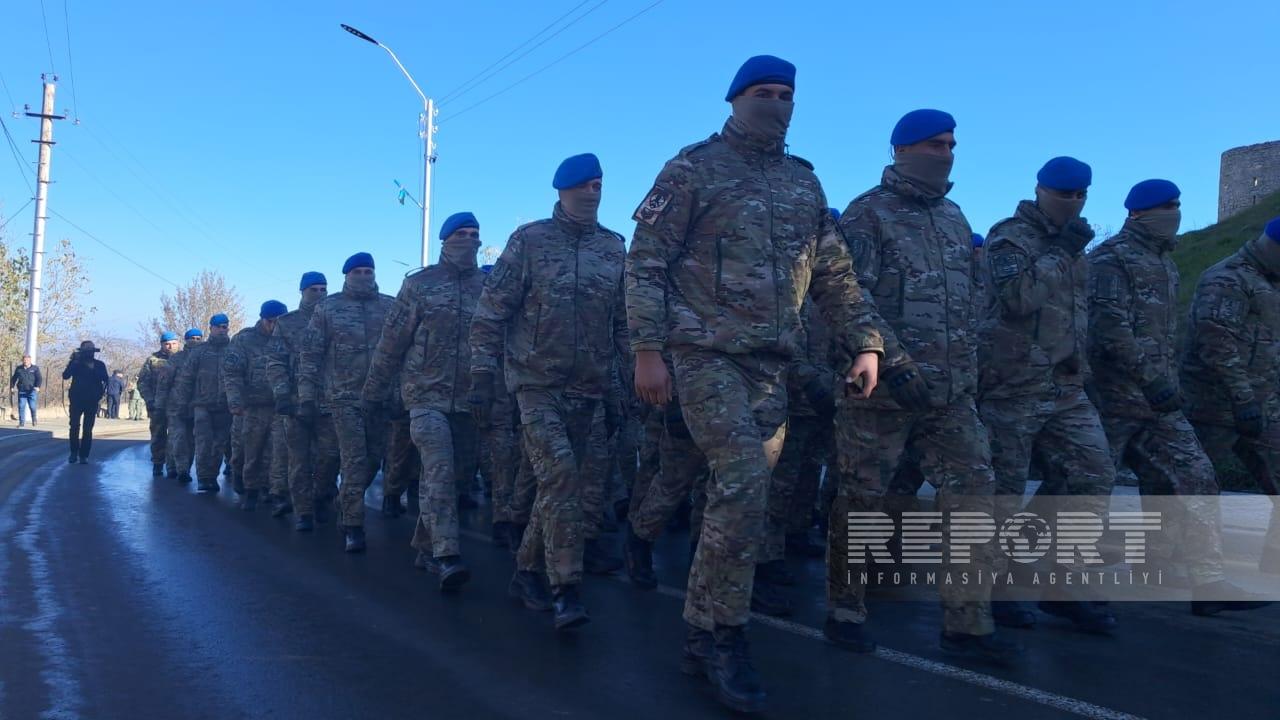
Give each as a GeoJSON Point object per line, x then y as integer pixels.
{"type": "Point", "coordinates": [355, 539]}
{"type": "Point", "coordinates": [501, 533]}
{"type": "Point", "coordinates": [775, 572]}
{"type": "Point", "coordinates": [184, 478]}
{"type": "Point", "coordinates": [516, 534]}
{"type": "Point", "coordinates": [424, 561]}
{"type": "Point", "coordinates": [731, 672]}
{"type": "Point", "coordinates": [237, 483]}
{"type": "Point", "coordinates": [172, 473]}
{"type": "Point", "coordinates": [697, 650]}
{"type": "Point", "coordinates": [530, 588]}
{"type": "Point", "coordinates": [157, 470]}
{"type": "Point", "coordinates": [72, 459]}
{"type": "Point", "coordinates": [986, 648]}
{"type": "Point", "coordinates": [249, 502]}
{"type": "Point", "coordinates": [767, 599]}
{"type": "Point", "coordinates": [802, 544]}
{"type": "Point", "coordinates": [466, 502]}
{"type": "Point", "coordinates": [391, 507]}
{"type": "Point", "coordinates": [324, 510]}
{"type": "Point", "coordinates": [282, 506]}
{"type": "Point", "coordinates": [453, 573]}
{"type": "Point", "coordinates": [570, 612]}
{"type": "Point", "coordinates": [1222, 596]}
{"type": "Point", "coordinates": [208, 487]}
{"type": "Point", "coordinates": [597, 560]}
{"type": "Point", "coordinates": [306, 522]}
{"type": "Point", "coordinates": [638, 554]}
{"type": "Point", "coordinates": [851, 636]}
{"type": "Point", "coordinates": [1013, 614]}
{"type": "Point", "coordinates": [1087, 617]}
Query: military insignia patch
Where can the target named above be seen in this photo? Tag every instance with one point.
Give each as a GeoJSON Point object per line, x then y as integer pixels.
{"type": "Point", "coordinates": [1106, 286]}
{"type": "Point", "coordinates": [1005, 265]}
{"type": "Point", "coordinates": [654, 206]}
{"type": "Point", "coordinates": [1229, 310]}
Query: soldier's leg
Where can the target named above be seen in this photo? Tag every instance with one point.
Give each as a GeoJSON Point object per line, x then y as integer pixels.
{"type": "Point", "coordinates": [466, 445]}
{"type": "Point", "coordinates": [178, 443]}
{"type": "Point", "coordinates": [399, 465]}
{"type": "Point", "coordinates": [735, 409]}
{"type": "Point", "coordinates": [159, 427]}
{"type": "Point", "coordinates": [328, 461]}
{"type": "Point", "coordinates": [626, 443]}
{"type": "Point", "coordinates": [255, 447]}
{"type": "Point", "coordinates": [357, 463]}
{"type": "Point", "coordinates": [279, 459]}
{"type": "Point", "coordinates": [1013, 424]}
{"type": "Point", "coordinates": [816, 456]}
{"type": "Point", "coordinates": [237, 451]}
{"type": "Point", "coordinates": [782, 488]}
{"type": "Point", "coordinates": [437, 527]}
{"type": "Point", "coordinates": [207, 449]}
{"type": "Point", "coordinates": [1073, 446]}
{"type": "Point", "coordinates": [681, 462]}
{"type": "Point", "coordinates": [302, 486]}
{"type": "Point", "coordinates": [1262, 459]}
{"type": "Point", "coordinates": [500, 462]}
{"type": "Point", "coordinates": [595, 466]}
{"type": "Point", "coordinates": [648, 464]}
{"type": "Point", "coordinates": [526, 487]}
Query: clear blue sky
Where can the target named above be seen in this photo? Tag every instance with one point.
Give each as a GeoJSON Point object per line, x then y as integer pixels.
{"type": "Point", "coordinates": [261, 140]}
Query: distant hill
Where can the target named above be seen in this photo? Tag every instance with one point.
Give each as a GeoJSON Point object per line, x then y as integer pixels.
{"type": "Point", "coordinates": [1199, 250]}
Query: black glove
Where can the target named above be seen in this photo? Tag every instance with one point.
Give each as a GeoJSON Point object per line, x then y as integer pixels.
{"type": "Point", "coordinates": [306, 412]}
{"type": "Point", "coordinates": [1250, 420]}
{"type": "Point", "coordinates": [819, 395]}
{"type": "Point", "coordinates": [1162, 395]}
{"type": "Point", "coordinates": [1073, 237]}
{"type": "Point", "coordinates": [908, 386]}
{"type": "Point", "coordinates": [284, 406]}
{"type": "Point", "coordinates": [481, 397]}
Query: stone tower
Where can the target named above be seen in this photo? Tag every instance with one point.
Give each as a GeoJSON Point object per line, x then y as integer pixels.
{"type": "Point", "coordinates": [1248, 174]}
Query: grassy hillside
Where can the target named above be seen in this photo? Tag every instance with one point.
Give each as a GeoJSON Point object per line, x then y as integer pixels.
{"type": "Point", "coordinates": [1198, 251]}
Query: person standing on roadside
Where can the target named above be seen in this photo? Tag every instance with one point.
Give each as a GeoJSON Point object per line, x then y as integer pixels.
{"type": "Point", "coordinates": [88, 377]}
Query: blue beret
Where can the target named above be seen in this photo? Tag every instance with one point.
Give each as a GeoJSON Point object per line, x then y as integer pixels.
{"type": "Point", "coordinates": [1273, 229]}
{"type": "Point", "coordinates": [359, 260]}
{"type": "Point", "coordinates": [486, 269]}
{"type": "Point", "coordinates": [168, 336]}
{"type": "Point", "coordinates": [835, 214]}
{"type": "Point", "coordinates": [978, 240]}
{"type": "Point", "coordinates": [759, 70]}
{"type": "Point", "coordinates": [457, 221]}
{"type": "Point", "coordinates": [1065, 173]}
{"type": "Point", "coordinates": [919, 125]}
{"type": "Point", "coordinates": [192, 333]}
{"type": "Point", "coordinates": [219, 319]}
{"type": "Point", "coordinates": [311, 278]}
{"type": "Point", "coordinates": [1151, 193]}
{"type": "Point", "coordinates": [576, 170]}
{"type": "Point", "coordinates": [272, 309]}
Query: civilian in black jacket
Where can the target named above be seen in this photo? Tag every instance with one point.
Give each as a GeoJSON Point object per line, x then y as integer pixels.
{"type": "Point", "coordinates": [27, 381]}
{"type": "Point", "coordinates": [88, 378]}
{"type": "Point", "coordinates": [115, 387]}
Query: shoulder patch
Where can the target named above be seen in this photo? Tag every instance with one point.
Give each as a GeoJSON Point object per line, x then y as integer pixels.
{"type": "Point", "coordinates": [1106, 285]}
{"type": "Point", "coordinates": [1006, 265]}
{"type": "Point", "coordinates": [1229, 310]}
{"type": "Point", "coordinates": [654, 206]}
{"type": "Point", "coordinates": [501, 269]}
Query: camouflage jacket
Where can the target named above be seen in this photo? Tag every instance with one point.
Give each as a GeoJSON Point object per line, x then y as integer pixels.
{"type": "Point", "coordinates": [199, 379]}
{"type": "Point", "coordinates": [426, 339]}
{"type": "Point", "coordinates": [1133, 293]}
{"type": "Point", "coordinates": [166, 398]}
{"type": "Point", "coordinates": [155, 366]}
{"type": "Point", "coordinates": [244, 369]}
{"type": "Point", "coordinates": [1033, 332]}
{"type": "Point", "coordinates": [914, 258]}
{"type": "Point", "coordinates": [812, 362]}
{"type": "Point", "coordinates": [556, 292]}
{"type": "Point", "coordinates": [728, 243]}
{"type": "Point", "coordinates": [284, 353]}
{"type": "Point", "coordinates": [1233, 344]}
{"type": "Point", "coordinates": [337, 345]}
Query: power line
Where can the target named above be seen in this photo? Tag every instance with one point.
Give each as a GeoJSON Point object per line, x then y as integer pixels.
{"type": "Point", "coordinates": [48, 45]}
{"type": "Point", "coordinates": [104, 244]}
{"type": "Point", "coordinates": [75, 109]}
{"type": "Point", "coordinates": [468, 85]}
{"type": "Point", "coordinates": [17, 156]}
{"type": "Point", "coordinates": [552, 64]}
{"type": "Point", "coordinates": [5, 85]}
{"type": "Point", "coordinates": [16, 213]}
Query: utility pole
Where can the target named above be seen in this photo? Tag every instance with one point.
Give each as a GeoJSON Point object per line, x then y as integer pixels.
{"type": "Point", "coordinates": [42, 201]}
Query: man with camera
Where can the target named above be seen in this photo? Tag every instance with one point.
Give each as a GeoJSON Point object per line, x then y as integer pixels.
{"type": "Point", "coordinates": [88, 377]}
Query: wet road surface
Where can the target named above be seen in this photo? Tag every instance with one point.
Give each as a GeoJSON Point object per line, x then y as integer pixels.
{"type": "Point", "coordinates": [127, 597]}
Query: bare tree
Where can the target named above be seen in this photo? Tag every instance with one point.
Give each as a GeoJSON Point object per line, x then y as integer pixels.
{"type": "Point", "coordinates": [192, 306]}
{"type": "Point", "coordinates": [64, 298]}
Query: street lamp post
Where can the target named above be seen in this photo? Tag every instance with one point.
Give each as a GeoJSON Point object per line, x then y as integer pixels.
{"type": "Point", "coordinates": [426, 130]}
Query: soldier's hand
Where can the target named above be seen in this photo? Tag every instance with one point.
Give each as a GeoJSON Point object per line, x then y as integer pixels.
{"type": "Point", "coordinates": [1073, 237]}
{"type": "Point", "coordinates": [1162, 395]}
{"type": "Point", "coordinates": [819, 395]}
{"type": "Point", "coordinates": [909, 387]}
{"type": "Point", "coordinates": [284, 406]}
{"type": "Point", "coordinates": [306, 412]}
{"type": "Point", "coordinates": [864, 375]}
{"type": "Point", "coordinates": [653, 382]}
{"type": "Point", "coordinates": [481, 397]}
{"type": "Point", "coordinates": [1251, 422]}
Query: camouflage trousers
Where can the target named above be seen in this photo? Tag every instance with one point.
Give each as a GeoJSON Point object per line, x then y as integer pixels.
{"type": "Point", "coordinates": [1167, 458]}
{"type": "Point", "coordinates": [158, 424]}
{"type": "Point", "coordinates": [735, 407]}
{"type": "Point", "coordinates": [212, 431]}
{"type": "Point", "coordinates": [313, 462]}
{"type": "Point", "coordinates": [279, 456]}
{"type": "Point", "coordinates": [1061, 434]}
{"type": "Point", "coordinates": [953, 453]}
{"type": "Point", "coordinates": [526, 489]}
{"type": "Point", "coordinates": [500, 458]}
{"type": "Point", "coordinates": [236, 470]}
{"type": "Point", "coordinates": [401, 468]}
{"type": "Point", "coordinates": [361, 441]}
{"type": "Point", "coordinates": [256, 445]}
{"type": "Point", "coordinates": [181, 442]}
{"type": "Point", "coordinates": [674, 467]}
{"type": "Point", "coordinates": [447, 446]}
{"type": "Point", "coordinates": [625, 447]}
{"type": "Point", "coordinates": [1260, 456]}
{"type": "Point", "coordinates": [596, 470]}
{"type": "Point", "coordinates": [557, 431]}
{"type": "Point", "coordinates": [793, 488]}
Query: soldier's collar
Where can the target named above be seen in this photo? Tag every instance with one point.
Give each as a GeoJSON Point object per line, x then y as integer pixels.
{"type": "Point", "coordinates": [569, 225]}
{"type": "Point", "coordinates": [894, 181]}
{"type": "Point", "coordinates": [749, 146]}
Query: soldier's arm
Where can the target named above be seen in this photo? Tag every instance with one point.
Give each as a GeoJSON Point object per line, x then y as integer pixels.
{"type": "Point", "coordinates": [1020, 283]}
{"type": "Point", "coordinates": [663, 221]}
{"type": "Point", "coordinates": [621, 333]}
{"type": "Point", "coordinates": [398, 330]}
{"type": "Point", "coordinates": [146, 382]}
{"type": "Point", "coordinates": [315, 339]}
{"type": "Point", "coordinates": [233, 371]}
{"type": "Point", "coordinates": [1217, 333]}
{"type": "Point", "coordinates": [163, 384]}
{"type": "Point", "coordinates": [184, 383]}
{"type": "Point", "coordinates": [1110, 297]}
{"type": "Point", "coordinates": [503, 295]}
{"type": "Point", "coordinates": [804, 366]}
{"type": "Point", "coordinates": [278, 364]}
{"type": "Point", "coordinates": [846, 267]}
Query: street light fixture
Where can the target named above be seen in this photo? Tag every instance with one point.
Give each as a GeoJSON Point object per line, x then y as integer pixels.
{"type": "Point", "coordinates": [426, 131]}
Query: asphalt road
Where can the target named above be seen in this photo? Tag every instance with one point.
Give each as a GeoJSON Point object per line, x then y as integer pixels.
{"type": "Point", "coordinates": [126, 597]}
